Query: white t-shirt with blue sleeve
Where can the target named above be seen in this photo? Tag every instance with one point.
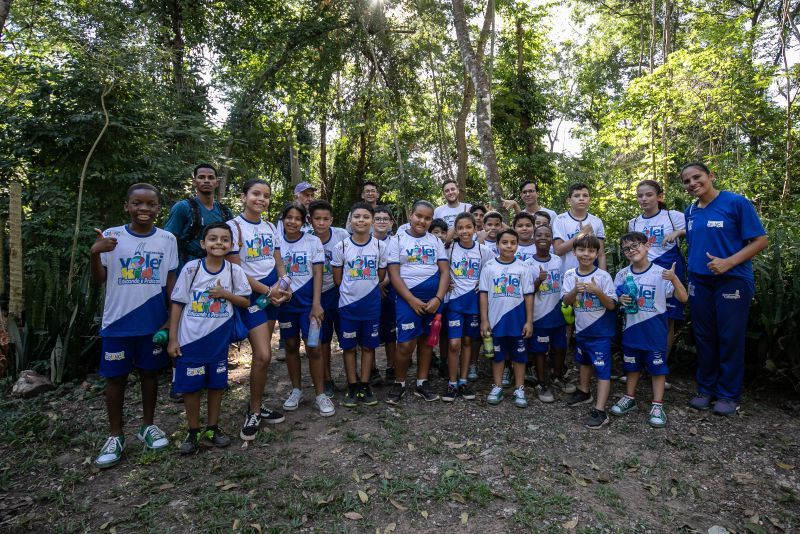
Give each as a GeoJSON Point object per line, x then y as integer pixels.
{"type": "Point", "coordinates": [205, 326]}
{"type": "Point", "coordinates": [359, 295]}
{"type": "Point", "coordinates": [260, 240]}
{"type": "Point", "coordinates": [565, 227]}
{"type": "Point", "coordinates": [647, 328]}
{"type": "Point", "coordinates": [465, 273]}
{"type": "Point", "coordinates": [299, 257]}
{"type": "Point", "coordinates": [418, 257]}
{"type": "Point", "coordinates": [525, 252]}
{"type": "Point", "coordinates": [547, 301]}
{"type": "Point", "coordinates": [592, 319]}
{"type": "Point", "coordinates": [137, 269]}
{"type": "Point", "coordinates": [657, 227]}
{"type": "Point", "coordinates": [506, 285]}
{"type": "Point", "coordinates": [337, 235]}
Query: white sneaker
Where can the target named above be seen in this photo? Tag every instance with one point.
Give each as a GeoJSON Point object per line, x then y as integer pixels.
{"type": "Point", "coordinates": [293, 400]}
{"type": "Point", "coordinates": [324, 405]}
{"type": "Point", "coordinates": [495, 396]}
{"type": "Point", "coordinates": [506, 381]}
{"type": "Point", "coordinates": [519, 398]}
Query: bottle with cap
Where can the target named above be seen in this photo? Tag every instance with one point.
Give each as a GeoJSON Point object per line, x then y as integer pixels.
{"type": "Point", "coordinates": [436, 328]}
{"type": "Point", "coordinates": [313, 333]}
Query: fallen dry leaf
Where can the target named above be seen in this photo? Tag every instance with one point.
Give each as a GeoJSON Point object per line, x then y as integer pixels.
{"type": "Point", "coordinates": [363, 497]}
{"type": "Point", "coordinates": [424, 514]}
{"type": "Point", "coordinates": [389, 528]}
{"type": "Point", "coordinates": [355, 516]}
{"type": "Point", "coordinates": [569, 525]}
{"type": "Point", "coordinates": [167, 486]}
{"type": "Point", "coordinates": [458, 498]}
{"type": "Point", "coordinates": [256, 527]}
{"type": "Point", "coordinates": [411, 447]}
{"type": "Point", "coordinates": [227, 487]}
{"type": "Point", "coordinates": [464, 518]}
{"type": "Point", "coordinates": [785, 467]}
{"type": "Point", "coordinates": [398, 505]}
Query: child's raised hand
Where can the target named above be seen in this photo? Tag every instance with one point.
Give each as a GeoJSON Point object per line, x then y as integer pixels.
{"type": "Point", "coordinates": [669, 274]}
{"type": "Point", "coordinates": [542, 274]}
{"type": "Point", "coordinates": [587, 229]}
{"type": "Point", "coordinates": [103, 244]}
{"type": "Point", "coordinates": [173, 348]}
{"type": "Point", "coordinates": [592, 287]}
{"type": "Point", "coordinates": [218, 292]}
{"type": "Point", "coordinates": [671, 237]}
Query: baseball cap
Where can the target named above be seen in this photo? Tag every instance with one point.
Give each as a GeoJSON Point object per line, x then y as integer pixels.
{"type": "Point", "coordinates": [303, 186]}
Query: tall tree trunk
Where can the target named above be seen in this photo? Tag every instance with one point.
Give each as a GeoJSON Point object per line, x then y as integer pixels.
{"type": "Point", "coordinates": [177, 47]}
{"type": "Point", "coordinates": [652, 68]}
{"type": "Point", "coordinates": [442, 141]}
{"type": "Point", "coordinates": [294, 160]}
{"type": "Point", "coordinates": [363, 145]}
{"type": "Point", "coordinates": [787, 174]}
{"type": "Point", "coordinates": [462, 150]}
{"type": "Point", "coordinates": [664, 116]}
{"type": "Point", "coordinates": [5, 7]}
{"type": "Point", "coordinates": [483, 105]}
{"type": "Point", "coordinates": [525, 118]}
{"type": "Point", "coordinates": [326, 186]}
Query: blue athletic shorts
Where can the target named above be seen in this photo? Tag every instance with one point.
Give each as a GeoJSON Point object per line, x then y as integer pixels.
{"type": "Point", "coordinates": [330, 323]}
{"type": "Point", "coordinates": [675, 309]}
{"type": "Point", "coordinates": [462, 325]}
{"type": "Point", "coordinates": [359, 333]}
{"type": "Point", "coordinates": [633, 360]}
{"type": "Point", "coordinates": [293, 323]}
{"type": "Point", "coordinates": [510, 348]}
{"type": "Point", "coordinates": [544, 339]}
{"type": "Point", "coordinates": [594, 351]}
{"type": "Point", "coordinates": [188, 377]}
{"type": "Point", "coordinates": [121, 355]}
{"type": "Point", "coordinates": [409, 324]}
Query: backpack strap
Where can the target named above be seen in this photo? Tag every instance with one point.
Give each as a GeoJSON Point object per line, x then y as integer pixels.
{"type": "Point", "coordinates": [239, 230]}
{"type": "Point", "coordinates": [197, 225]}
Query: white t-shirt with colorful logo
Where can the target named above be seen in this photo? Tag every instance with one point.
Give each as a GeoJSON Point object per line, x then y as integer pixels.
{"type": "Point", "coordinates": [656, 228]}
{"type": "Point", "coordinates": [592, 319]}
{"type": "Point", "coordinates": [465, 275]}
{"type": "Point", "coordinates": [137, 269]}
{"type": "Point", "coordinates": [259, 241]}
{"type": "Point", "coordinates": [359, 295]}
{"type": "Point", "coordinates": [506, 285]}
{"type": "Point", "coordinates": [647, 328]}
{"type": "Point", "coordinates": [299, 257]}
{"type": "Point", "coordinates": [525, 252]}
{"type": "Point", "coordinates": [566, 227]}
{"type": "Point", "coordinates": [418, 257]}
{"type": "Point", "coordinates": [337, 235]}
{"type": "Point", "coordinates": [204, 329]}
{"type": "Point", "coordinates": [547, 302]}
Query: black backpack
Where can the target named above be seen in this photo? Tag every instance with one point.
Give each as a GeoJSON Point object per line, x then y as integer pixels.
{"type": "Point", "coordinates": [197, 226]}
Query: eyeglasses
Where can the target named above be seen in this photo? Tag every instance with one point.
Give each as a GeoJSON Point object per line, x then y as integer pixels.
{"type": "Point", "coordinates": [381, 220]}
{"type": "Point", "coordinates": [528, 191]}
{"type": "Point", "coordinates": [632, 248]}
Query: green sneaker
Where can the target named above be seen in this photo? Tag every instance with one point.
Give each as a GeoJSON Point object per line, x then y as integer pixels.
{"type": "Point", "coordinates": [623, 405]}
{"type": "Point", "coordinates": [495, 396]}
{"type": "Point", "coordinates": [152, 437]}
{"type": "Point", "coordinates": [658, 417]}
{"type": "Point", "coordinates": [111, 453]}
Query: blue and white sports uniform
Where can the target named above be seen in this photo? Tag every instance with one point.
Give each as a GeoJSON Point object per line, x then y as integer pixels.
{"type": "Point", "coordinates": [135, 299]}
{"type": "Point", "coordinates": [548, 211]}
{"type": "Point", "coordinates": [595, 326]}
{"type": "Point", "coordinates": [299, 257]}
{"type": "Point", "coordinates": [720, 304]}
{"type": "Point", "coordinates": [205, 326]}
{"type": "Point", "coordinates": [656, 228]}
{"type": "Point", "coordinates": [525, 252]}
{"type": "Point", "coordinates": [359, 303]}
{"type": "Point", "coordinates": [506, 285]}
{"type": "Point", "coordinates": [418, 258]}
{"type": "Point", "coordinates": [449, 214]}
{"type": "Point", "coordinates": [549, 326]}
{"type": "Point", "coordinates": [463, 311]}
{"type": "Point", "coordinates": [330, 292]}
{"type": "Point", "coordinates": [255, 242]}
{"type": "Point", "coordinates": [644, 336]}
{"type": "Point", "coordinates": [565, 227]}
{"type": "Point", "coordinates": [492, 246]}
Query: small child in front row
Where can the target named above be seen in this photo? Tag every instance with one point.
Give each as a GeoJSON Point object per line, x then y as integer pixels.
{"type": "Point", "coordinates": [137, 263]}
{"type": "Point", "coordinates": [506, 303]}
{"type": "Point", "coordinates": [200, 326]}
{"type": "Point", "coordinates": [591, 292]}
{"type": "Point", "coordinates": [359, 266]}
{"type": "Point", "coordinates": [644, 337]}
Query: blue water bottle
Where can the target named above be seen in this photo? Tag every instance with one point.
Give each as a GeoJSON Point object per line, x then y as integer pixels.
{"type": "Point", "coordinates": [633, 292]}
{"type": "Point", "coordinates": [313, 334]}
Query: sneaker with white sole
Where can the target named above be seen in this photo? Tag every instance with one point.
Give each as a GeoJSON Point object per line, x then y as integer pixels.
{"type": "Point", "coordinates": [563, 385]}
{"type": "Point", "coordinates": [249, 431]}
{"type": "Point", "coordinates": [596, 419]}
{"type": "Point", "coordinates": [472, 373]}
{"type": "Point", "coordinates": [324, 405]}
{"type": "Point", "coordinates": [519, 397]}
{"type": "Point", "coordinates": [658, 417]}
{"type": "Point", "coordinates": [152, 437]}
{"type": "Point", "coordinates": [293, 400]}
{"type": "Point", "coordinates": [544, 394]}
{"type": "Point", "coordinates": [271, 417]}
{"type": "Point", "coordinates": [506, 380]}
{"type": "Point", "coordinates": [111, 453]}
{"type": "Point", "coordinates": [623, 405]}
{"type": "Point", "coordinates": [495, 396]}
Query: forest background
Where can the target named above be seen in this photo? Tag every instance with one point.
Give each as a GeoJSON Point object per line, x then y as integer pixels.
{"type": "Point", "coordinates": [98, 94]}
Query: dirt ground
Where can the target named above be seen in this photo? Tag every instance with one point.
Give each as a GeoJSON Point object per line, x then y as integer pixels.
{"type": "Point", "coordinates": [420, 467]}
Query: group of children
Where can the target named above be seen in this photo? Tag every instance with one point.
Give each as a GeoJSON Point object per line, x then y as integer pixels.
{"type": "Point", "coordinates": [510, 291]}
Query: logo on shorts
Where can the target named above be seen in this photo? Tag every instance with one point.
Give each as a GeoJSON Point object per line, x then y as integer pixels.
{"type": "Point", "coordinates": [222, 368]}
{"type": "Point", "coordinates": [253, 309]}
{"type": "Point", "coordinates": [115, 356]}
{"type": "Point", "coordinates": [474, 322]}
{"type": "Point", "coordinates": [407, 326]}
{"type": "Point", "coordinates": [196, 371]}
{"type": "Point", "coordinates": [732, 296]}
{"type": "Point", "coordinates": [543, 339]}
{"type": "Point", "coordinates": [690, 289]}
{"type": "Point", "coordinates": [456, 322]}
{"type": "Point", "coordinates": [629, 359]}
{"type": "Point", "coordinates": [349, 335]}
{"type": "Point", "coordinates": [285, 325]}
{"type": "Point", "coordinates": [658, 360]}
{"type": "Point", "coordinates": [598, 360]}
{"type": "Point", "coordinates": [521, 346]}
{"type": "Point", "coordinates": [715, 224]}
{"type": "Point", "coordinates": [157, 350]}
{"type": "Point", "coordinates": [375, 332]}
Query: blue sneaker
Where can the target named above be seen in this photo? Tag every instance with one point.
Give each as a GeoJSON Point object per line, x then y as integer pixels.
{"type": "Point", "coordinates": [701, 402]}
{"type": "Point", "coordinates": [725, 407]}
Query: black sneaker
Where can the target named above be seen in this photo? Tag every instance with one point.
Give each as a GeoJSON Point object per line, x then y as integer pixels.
{"type": "Point", "coordinates": [350, 398]}
{"type": "Point", "coordinates": [596, 419]}
{"type": "Point", "coordinates": [579, 397]}
{"type": "Point", "coordinates": [175, 396]}
{"type": "Point", "coordinates": [365, 396]}
{"type": "Point", "coordinates": [451, 393]}
{"type": "Point", "coordinates": [396, 393]}
{"type": "Point", "coordinates": [424, 391]}
{"type": "Point", "coordinates": [252, 422]}
{"type": "Point", "coordinates": [389, 376]}
{"type": "Point", "coordinates": [271, 417]}
{"type": "Point", "coordinates": [189, 445]}
{"type": "Point", "coordinates": [216, 438]}
{"type": "Point", "coordinates": [466, 392]}
{"type": "Point", "coordinates": [375, 379]}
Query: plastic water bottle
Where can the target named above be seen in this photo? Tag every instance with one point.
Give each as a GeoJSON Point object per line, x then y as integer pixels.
{"type": "Point", "coordinates": [161, 337]}
{"type": "Point", "coordinates": [568, 313]}
{"type": "Point", "coordinates": [262, 301]}
{"type": "Point", "coordinates": [632, 291]}
{"type": "Point", "coordinates": [284, 283]}
{"type": "Point", "coordinates": [436, 328]}
{"type": "Point", "coordinates": [488, 346]}
{"type": "Point", "coordinates": [313, 334]}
